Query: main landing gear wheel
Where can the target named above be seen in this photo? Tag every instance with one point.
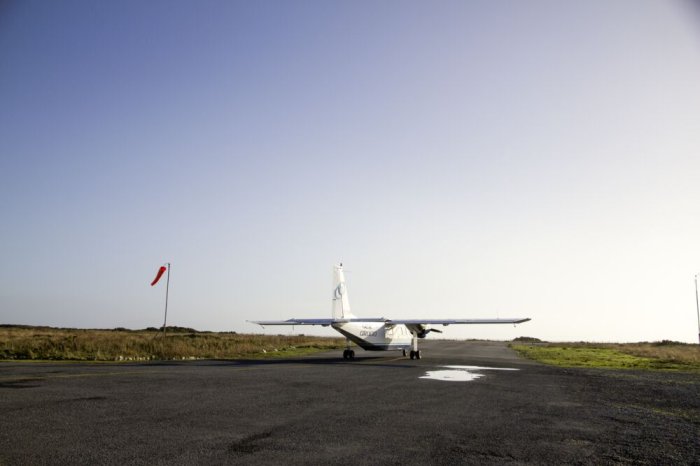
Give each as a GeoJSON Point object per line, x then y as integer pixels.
{"type": "Point", "coordinates": [404, 353]}
{"type": "Point", "coordinates": [415, 354]}
{"type": "Point", "coordinates": [348, 354]}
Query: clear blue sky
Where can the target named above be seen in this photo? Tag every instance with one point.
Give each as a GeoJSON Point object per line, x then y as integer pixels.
{"type": "Point", "coordinates": [463, 159]}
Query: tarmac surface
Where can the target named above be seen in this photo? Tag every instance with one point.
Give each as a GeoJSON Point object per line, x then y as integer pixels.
{"type": "Point", "coordinates": [377, 409]}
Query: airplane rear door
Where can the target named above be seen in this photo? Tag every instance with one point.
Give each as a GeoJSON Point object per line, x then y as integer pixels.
{"type": "Point", "coordinates": [389, 332]}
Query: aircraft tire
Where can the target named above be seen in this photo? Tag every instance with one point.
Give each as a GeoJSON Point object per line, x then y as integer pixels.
{"type": "Point", "coordinates": [351, 354]}
{"type": "Point", "coordinates": [404, 353]}
{"type": "Point", "coordinates": [418, 354]}
{"type": "Point", "coordinates": [413, 354]}
{"type": "Point", "coordinates": [345, 354]}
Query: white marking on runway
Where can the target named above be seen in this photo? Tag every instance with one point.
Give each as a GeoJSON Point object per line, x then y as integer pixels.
{"type": "Point", "coordinates": [452, 376]}
{"type": "Point", "coordinates": [461, 373]}
{"type": "Point", "coordinates": [481, 368]}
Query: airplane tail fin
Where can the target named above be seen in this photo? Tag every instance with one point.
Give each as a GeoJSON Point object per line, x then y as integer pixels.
{"type": "Point", "coordinates": [341, 305]}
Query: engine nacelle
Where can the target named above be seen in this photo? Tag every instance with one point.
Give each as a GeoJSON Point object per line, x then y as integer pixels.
{"type": "Point", "coordinates": [423, 330]}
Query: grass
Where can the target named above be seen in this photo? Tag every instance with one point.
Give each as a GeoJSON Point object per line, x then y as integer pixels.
{"type": "Point", "coordinates": [665, 355]}
{"type": "Point", "coordinates": [46, 343]}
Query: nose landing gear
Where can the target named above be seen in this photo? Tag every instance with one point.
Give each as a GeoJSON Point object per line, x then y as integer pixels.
{"type": "Point", "coordinates": [415, 353]}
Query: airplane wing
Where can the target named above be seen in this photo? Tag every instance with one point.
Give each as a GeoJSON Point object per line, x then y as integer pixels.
{"type": "Point", "coordinates": [446, 322]}
{"type": "Point", "coordinates": [323, 322]}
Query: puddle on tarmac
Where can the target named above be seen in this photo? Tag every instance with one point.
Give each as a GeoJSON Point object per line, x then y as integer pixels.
{"type": "Point", "coordinates": [461, 373]}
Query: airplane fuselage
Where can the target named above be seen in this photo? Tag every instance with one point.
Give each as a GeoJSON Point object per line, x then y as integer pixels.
{"type": "Point", "coordinates": [375, 336]}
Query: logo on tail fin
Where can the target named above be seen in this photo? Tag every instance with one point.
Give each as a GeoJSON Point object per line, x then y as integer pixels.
{"type": "Point", "coordinates": [339, 291]}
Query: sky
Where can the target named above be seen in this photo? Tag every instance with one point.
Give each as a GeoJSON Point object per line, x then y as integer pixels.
{"type": "Point", "coordinates": [463, 159]}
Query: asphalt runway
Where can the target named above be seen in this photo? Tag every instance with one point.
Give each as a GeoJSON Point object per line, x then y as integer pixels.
{"type": "Point", "coordinates": [377, 409]}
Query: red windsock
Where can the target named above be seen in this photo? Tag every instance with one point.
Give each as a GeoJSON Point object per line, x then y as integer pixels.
{"type": "Point", "coordinates": [161, 271]}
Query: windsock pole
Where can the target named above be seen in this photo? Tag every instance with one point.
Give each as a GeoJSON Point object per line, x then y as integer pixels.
{"type": "Point", "coordinates": [167, 287]}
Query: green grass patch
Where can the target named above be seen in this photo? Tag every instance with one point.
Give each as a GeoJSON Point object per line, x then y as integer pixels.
{"type": "Point", "coordinates": [43, 343]}
{"type": "Point", "coordinates": [613, 356]}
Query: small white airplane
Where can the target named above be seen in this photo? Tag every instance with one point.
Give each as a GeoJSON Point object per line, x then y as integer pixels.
{"type": "Point", "coordinates": [378, 333]}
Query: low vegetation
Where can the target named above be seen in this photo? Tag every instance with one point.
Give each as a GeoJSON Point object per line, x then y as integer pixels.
{"type": "Point", "coordinates": [663, 355]}
{"type": "Point", "coordinates": [46, 343]}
